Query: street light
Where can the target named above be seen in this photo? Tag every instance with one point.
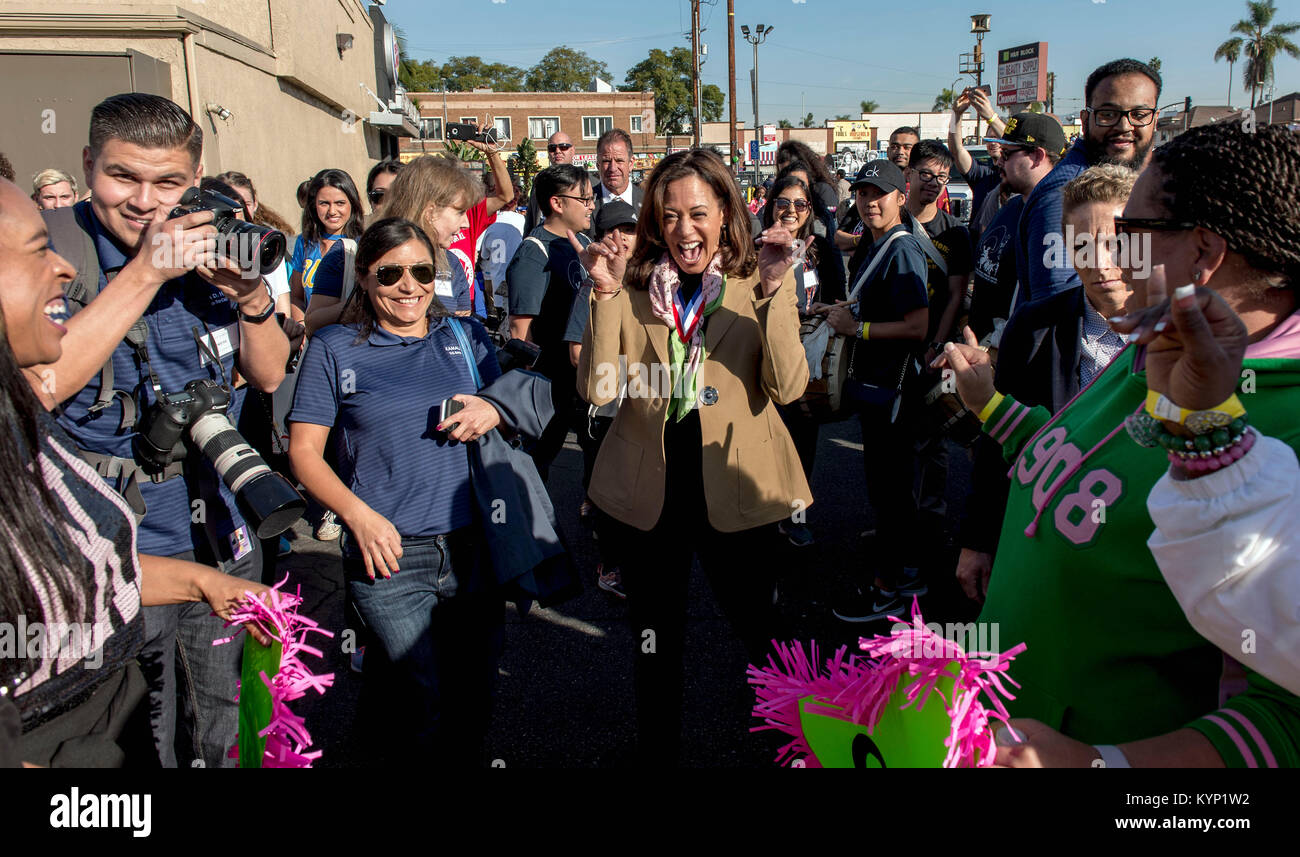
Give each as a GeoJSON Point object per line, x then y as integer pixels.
{"type": "Point", "coordinates": [759, 36]}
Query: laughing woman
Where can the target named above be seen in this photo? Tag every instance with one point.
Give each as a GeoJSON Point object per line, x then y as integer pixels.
{"type": "Point", "coordinates": [705, 468]}
{"type": "Point", "coordinates": [402, 490]}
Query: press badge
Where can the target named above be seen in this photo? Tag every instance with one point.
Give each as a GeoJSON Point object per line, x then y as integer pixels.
{"type": "Point", "coordinates": [240, 545]}
{"type": "Point", "coordinates": [442, 286]}
{"type": "Point", "coordinates": [223, 342]}
{"type": "Point", "coordinates": [810, 283]}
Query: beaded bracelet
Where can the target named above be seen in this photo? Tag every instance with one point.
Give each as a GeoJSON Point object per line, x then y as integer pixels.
{"type": "Point", "coordinates": [1198, 453]}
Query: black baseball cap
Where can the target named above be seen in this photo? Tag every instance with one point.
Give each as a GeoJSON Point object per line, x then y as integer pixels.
{"type": "Point", "coordinates": [613, 215]}
{"type": "Point", "coordinates": [1032, 130]}
{"type": "Point", "coordinates": [882, 173]}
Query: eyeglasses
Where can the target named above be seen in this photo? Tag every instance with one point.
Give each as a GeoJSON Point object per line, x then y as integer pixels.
{"type": "Point", "coordinates": [929, 177]}
{"type": "Point", "coordinates": [1010, 151]}
{"type": "Point", "coordinates": [585, 200]}
{"type": "Point", "coordinates": [389, 275]}
{"type": "Point", "coordinates": [1138, 117]}
{"type": "Point", "coordinates": [1154, 224]}
{"type": "Point", "coordinates": [800, 205]}
{"type": "Point", "coordinates": [559, 147]}
{"type": "Point", "coordinates": [376, 196]}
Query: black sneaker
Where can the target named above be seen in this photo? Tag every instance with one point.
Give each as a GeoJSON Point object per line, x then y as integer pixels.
{"type": "Point", "coordinates": [870, 605]}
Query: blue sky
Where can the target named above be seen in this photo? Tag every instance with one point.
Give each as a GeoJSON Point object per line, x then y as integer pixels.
{"type": "Point", "coordinates": [830, 55]}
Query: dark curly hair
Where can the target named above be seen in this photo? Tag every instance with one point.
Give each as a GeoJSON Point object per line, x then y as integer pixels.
{"type": "Point", "coordinates": [1242, 186]}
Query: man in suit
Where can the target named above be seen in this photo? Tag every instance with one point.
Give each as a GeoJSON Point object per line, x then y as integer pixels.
{"type": "Point", "coordinates": [559, 150]}
{"type": "Point", "coordinates": [614, 160]}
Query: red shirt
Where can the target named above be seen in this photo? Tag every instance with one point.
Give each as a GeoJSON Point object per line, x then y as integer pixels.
{"type": "Point", "coordinates": [465, 242]}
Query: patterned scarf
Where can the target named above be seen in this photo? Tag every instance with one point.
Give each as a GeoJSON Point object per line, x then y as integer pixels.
{"type": "Point", "coordinates": [686, 325]}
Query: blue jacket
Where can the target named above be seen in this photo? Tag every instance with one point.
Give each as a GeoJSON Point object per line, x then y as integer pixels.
{"type": "Point", "coordinates": [1040, 219]}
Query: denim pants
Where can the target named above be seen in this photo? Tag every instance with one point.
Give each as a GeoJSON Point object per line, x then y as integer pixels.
{"type": "Point", "coordinates": [192, 683]}
{"type": "Point", "coordinates": [429, 673]}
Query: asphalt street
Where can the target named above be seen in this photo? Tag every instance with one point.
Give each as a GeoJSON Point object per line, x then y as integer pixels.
{"type": "Point", "coordinates": [565, 697]}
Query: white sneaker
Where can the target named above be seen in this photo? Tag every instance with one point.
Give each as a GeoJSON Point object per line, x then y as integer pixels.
{"type": "Point", "coordinates": [329, 528]}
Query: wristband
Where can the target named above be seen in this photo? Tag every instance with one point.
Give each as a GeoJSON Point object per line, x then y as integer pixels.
{"type": "Point", "coordinates": [260, 317]}
{"type": "Point", "coordinates": [1198, 422]}
{"type": "Point", "coordinates": [988, 409]}
{"type": "Point", "coordinates": [864, 330]}
{"type": "Point", "coordinates": [1111, 756]}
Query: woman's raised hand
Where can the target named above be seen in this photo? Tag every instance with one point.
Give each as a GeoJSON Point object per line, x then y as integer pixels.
{"type": "Point", "coordinates": [604, 262]}
{"type": "Point", "coordinates": [775, 256]}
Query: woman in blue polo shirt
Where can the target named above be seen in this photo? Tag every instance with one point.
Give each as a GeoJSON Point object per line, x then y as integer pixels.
{"type": "Point", "coordinates": [333, 211]}
{"type": "Point", "coordinates": [402, 490]}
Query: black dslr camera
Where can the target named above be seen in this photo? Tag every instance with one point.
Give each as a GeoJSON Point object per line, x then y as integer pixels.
{"type": "Point", "coordinates": [198, 412]}
{"type": "Point", "coordinates": [257, 249]}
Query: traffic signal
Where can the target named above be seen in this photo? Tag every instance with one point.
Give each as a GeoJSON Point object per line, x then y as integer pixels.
{"type": "Point", "coordinates": [1187, 104]}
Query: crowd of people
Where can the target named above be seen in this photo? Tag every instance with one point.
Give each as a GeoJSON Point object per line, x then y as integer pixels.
{"type": "Point", "coordinates": [1115, 323]}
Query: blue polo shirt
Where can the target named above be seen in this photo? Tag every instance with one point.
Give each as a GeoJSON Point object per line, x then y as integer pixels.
{"type": "Point", "coordinates": [449, 285]}
{"type": "Point", "coordinates": [180, 306]}
{"type": "Point", "coordinates": [381, 396]}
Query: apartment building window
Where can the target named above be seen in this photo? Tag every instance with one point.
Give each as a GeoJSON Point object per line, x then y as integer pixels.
{"type": "Point", "coordinates": [502, 125]}
{"type": "Point", "coordinates": [469, 120]}
{"type": "Point", "coordinates": [542, 127]}
{"type": "Point", "coordinates": [431, 129]}
{"type": "Point", "coordinates": [634, 124]}
{"type": "Point", "coordinates": [594, 126]}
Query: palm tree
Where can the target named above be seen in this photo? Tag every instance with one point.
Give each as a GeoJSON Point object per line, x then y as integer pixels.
{"type": "Point", "coordinates": [1154, 62]}
{"type": "Point", "coordinates": [784, 123]}
{"type": "Point", "coordinates": [1230, 51]}
{"type": "Point", "coordinates": [945, 100]}
{"type": "Point", "coordinates": [870, 106]}
{"type": "Point", "coordinates": [1262, 44]}
{"type": "Point", "coordinates": [807, 121]}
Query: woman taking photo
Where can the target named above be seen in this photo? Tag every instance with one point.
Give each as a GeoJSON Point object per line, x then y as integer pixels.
{"type": "Point", "coordinates": [702, 465]}
{"type": "Point", "coordinates": [402, 490]}
{"type": "Point", "coordinates": [435, 194]}
{"type": "Point", "coordinates": [820, 280]}
{"type": "Point", "coordinates": [333, 211]}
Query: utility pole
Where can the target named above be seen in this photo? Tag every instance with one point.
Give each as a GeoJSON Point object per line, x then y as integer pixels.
{"type": "Point", "coordinates": [731, 82]}
{"type": "Point", "coordinates": [759, 36]}
{"type": "Point", "coordinates": [695, 70]}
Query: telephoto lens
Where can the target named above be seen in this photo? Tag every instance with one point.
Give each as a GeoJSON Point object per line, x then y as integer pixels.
{"type": "Point", "coordinates": [255, 248]}
{"type": "Point", "coordinates": [267, 500]}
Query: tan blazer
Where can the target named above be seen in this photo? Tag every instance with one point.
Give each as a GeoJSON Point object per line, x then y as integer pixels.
{"type": "Point", "coordinates": [753, 359]}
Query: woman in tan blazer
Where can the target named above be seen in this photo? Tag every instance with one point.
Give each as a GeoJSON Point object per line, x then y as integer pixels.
{"type": "Point", "coordinates": [697, 461]}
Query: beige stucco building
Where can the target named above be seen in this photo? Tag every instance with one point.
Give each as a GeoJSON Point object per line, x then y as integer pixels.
{"type": "Point", "coordinates": [282, 88]}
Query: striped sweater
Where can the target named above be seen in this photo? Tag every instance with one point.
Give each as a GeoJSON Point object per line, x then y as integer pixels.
{"type": "Point", "coordinates": [99, 523]}
{"type": "Point", "coordinates": [1111, 657]}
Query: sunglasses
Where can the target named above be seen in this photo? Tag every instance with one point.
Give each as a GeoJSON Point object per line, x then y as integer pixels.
{"type": "Point", "coordinates": [800, 205]}
{"type": "Point", "coordinates": [376, 196]}
{"type": "Point", "coordinates": [559, 147]}
{"type": "Point", "coordinates": [388, 275]}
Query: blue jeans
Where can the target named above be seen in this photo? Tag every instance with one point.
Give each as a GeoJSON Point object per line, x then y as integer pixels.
{"type": "Point", "coordinates": [430, 671]}
{"type": "Point", "coordinates": [192, 683]}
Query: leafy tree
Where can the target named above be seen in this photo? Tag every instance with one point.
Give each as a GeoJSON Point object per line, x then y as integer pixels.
{"type": "Point", "coordinates": [945, 100]}
{"type": "Point", "coordinates": [1262, 44]}
{"type": "Point", "coordinates": [564, 70]}
{"type": "Point", "coordinates": [526, 163]}
{"type": "Point", "coordinates": [1154, 62]}
{"type": "Point", "coordinates": [419, 76]}
{"type": "Point", "coordinates": [668, 75]}
{"type": "Point", "coordinates": [807, 121]}
{"type": "Point", "coordinates": [843, 117]}
{"type": "Point", "coordinates": [784, 123]}
{"type": "Point", "coordinates": [466, 73]}
{"type": "Point", "coordinates": [870, 106]}
{"type": "Point", "coordinates": [1230, 51]}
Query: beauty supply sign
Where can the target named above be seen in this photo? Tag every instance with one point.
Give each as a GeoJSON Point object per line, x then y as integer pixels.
{"type": "Point", "coordinates": [1022, 74]}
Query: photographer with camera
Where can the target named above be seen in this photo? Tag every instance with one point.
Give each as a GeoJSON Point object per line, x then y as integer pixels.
{"type": "Point", "coordinates": [167, 313]}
